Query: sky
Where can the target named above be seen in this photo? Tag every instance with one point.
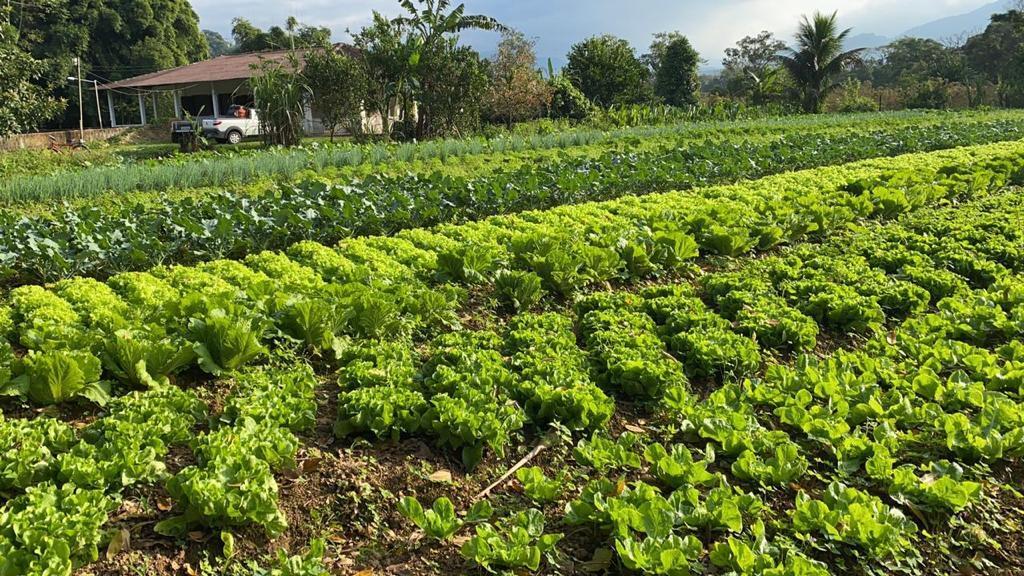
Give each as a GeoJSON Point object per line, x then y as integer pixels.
{"type": "Point", "coordinates": [711, 25]}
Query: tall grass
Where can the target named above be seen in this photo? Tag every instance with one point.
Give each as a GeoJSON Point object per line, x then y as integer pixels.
{"type": "Point", "coordinates": [250, 165]}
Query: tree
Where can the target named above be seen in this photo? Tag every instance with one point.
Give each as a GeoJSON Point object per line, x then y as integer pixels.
{"type": "Point", "coordinates": [386, 54]}
{"type": "Point", "coordinates": [517, 91]}
{"type": "Point", "coordinates": [431, 27]}
{"type": "Point", "coordinates": [24, 103]}
{"type": "Point", "coordinates": [454, 106]}
{"type": "Point", "coordinates": [249, 38]}
{"type": "Point", "coordinates": [219, 46]}
{"type": "Point", "coordinates": [607, 71]}
{"type": "Point", "coordinates": [338, 85]}
{"type": "Point", "coordinates": [115, 39]}
{"type": "Point", "coordinates": [818, 59]}
{"type": "Point", "coordinates": [998, 55]}
{"type": "Point", "coordinates": [751, 68]}
{"type": "Point", "coordinates": [659, 46]}
{"type": "Point", "coordinates": [675, 79]}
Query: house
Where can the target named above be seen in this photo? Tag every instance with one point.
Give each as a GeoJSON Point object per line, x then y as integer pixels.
{"type": "Point", "coordinates": [209, 88]}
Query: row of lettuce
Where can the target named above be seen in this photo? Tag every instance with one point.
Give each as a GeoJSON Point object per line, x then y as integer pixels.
{"type": "Point", "coordinates": [831, 457]}
{"type": "Point", "coordinates": [101, 240]}
{"type": "Point", "coordinates": [140, 326]}
{"type": "Point", "coordinates": [949, 382]}
{"type": "Point", "coordinates": [36, 178]}
{"type": "Point", "coordinates": [365, 300]}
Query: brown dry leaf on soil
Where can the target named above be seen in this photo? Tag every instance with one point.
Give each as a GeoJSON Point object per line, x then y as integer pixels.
{"type": "Point", "coordinates": [441, 476]}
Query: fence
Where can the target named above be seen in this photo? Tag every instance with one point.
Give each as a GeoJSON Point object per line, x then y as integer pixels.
{"type": "Point", "coordinates": [42, 139]}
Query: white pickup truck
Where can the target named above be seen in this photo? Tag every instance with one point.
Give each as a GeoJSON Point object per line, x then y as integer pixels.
{"type": "Point", "coordinates": [239, 123]}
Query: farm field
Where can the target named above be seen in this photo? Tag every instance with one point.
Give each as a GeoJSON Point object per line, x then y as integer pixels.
{"type": "Point", "coordinates": [100, 238]}
{"type": "Point", "coordinates": [787, 348]}
{"type": "Point", "coordinates": [127, 168]}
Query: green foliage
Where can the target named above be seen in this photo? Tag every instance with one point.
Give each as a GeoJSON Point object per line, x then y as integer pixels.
{"type": "Point", "coordinates": [440, 521]}
{"type": "Point", "coordinates": [139, 357]}
{"type": "Point", "coordinates": [51, 530]}
{"type": "Point", "coordinates": [249, 38]}
{"type": "Point", "coordinates": [234, 488]}
{"type": "Point", "coordinates": [677, 468]}
{"type": "Point", "coordinates": [851, 516]}
{"type": "Point", "coordinates": [519, 289]}
{"type": "Point", "coordinates": [518, 542]}
{"type": "Point", "coordinates": [225, 341]}
{"type": "Point", "coordinates": [337, 85]}
{"type": "Point", "coordinates": [675, 78]}
{"type": "Point", "coordinates": [784, 466]}
{"type": "Point", "coordinates": [281, 90]}
{"type": "Point", "coordinates": [537, 486]}
{"type": "Point", "coordinates": [25, 100]}
{"type": "Point", "coordinates": [818, 59]}
{"type": "Point", "coordinates": [568, 101]}
{"type": "Point", "coordinates": [606, 70]}
{"type": "Point", "coordinates": [671, 555]}
{"type": "Point", "coordinates": [309, 563]}
{"type": "Point", "coordinates": [59, 376]}
{"type": "Point", "coordinates": [604, 454]}
{"type": "Point", "coordinates": [34, 447]}
{"type": "Point", "coordinates": [386, 411]}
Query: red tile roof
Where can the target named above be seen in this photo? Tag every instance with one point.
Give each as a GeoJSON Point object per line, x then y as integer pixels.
{"type": "Point", "coordinates": [228, 67]}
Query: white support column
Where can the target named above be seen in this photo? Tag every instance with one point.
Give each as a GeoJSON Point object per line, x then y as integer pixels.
{"type": "Point", "coordinates": [216, 104]}
{"type": "Point", "coordinates": [155, 115]}
{"type": "Point", "coordinates": [177, 104]}
{"type": "Point", "coordinates": [307, 113]}
{"type": "Point", "coordinates": [110, 108]}
{"type": "Point", "coordinates": [142, 109]}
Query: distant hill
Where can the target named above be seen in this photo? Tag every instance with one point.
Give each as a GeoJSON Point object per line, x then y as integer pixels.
{"type": "Point", "coordinates": [866, 40]}
{"type": "Point", "coordinates": [970, 23]}
{"type": "Point", "coordinates": [942, 29]}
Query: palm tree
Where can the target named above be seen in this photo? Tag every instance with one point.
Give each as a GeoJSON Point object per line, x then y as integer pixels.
{"type": "Point", "coordinates": [818, 59]}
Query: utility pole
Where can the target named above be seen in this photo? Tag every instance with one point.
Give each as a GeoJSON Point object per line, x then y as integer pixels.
{"type": "Point", "coordinates": [81, 113]}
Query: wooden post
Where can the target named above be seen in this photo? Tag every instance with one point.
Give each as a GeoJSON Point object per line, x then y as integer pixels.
{"type": "Point", "coordinates": [155, 115]}
{"type": "Point", "coordinates": [177, 104]}
{"type": "Point", "coordinates": [110, 108]}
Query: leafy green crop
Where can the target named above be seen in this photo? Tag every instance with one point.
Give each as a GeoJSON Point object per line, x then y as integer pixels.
{"type": "Point", "coordinates": [518, 542]}
{"type": "Point", "coordinates": [440, 521]}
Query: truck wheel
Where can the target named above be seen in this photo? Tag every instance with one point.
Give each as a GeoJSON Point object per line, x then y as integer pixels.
{"type": "Point", "coordinates": [234, 137]}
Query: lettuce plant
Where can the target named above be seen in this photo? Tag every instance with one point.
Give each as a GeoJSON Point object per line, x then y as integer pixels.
{"type": "Point", "coordinates": [440, 521]}
{"type": "Point", "coordinates": [52, 530]}
{"type": "Point", "coordinates": [59, 376]}
{"type": "Point", "coordinates": [518, 542]}
{"type": "Point", "coordinates": [225, 342]}
{"type": "Point", "coordinates": [537, 486]}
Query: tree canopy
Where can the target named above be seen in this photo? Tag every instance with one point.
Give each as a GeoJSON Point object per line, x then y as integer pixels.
{"type": "Point", "coordinates": [517, 91]}
{"type": "Point", "coordinates": [115, 39]}
{"type": "Point", "coordinates": [608, 72]}
{"type": "Point", "coordinates": [751, 67]}
{"type": "Point", "coordinates": [675, 79]}
{"type": "Point", "coordinates": [249, 38]}
{"type": "Point", "coordinates": [219, 45]}
{"type": "Point", "coordinates": [24, 101]}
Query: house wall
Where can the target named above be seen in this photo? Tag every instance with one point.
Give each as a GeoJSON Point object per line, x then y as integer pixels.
{"type": "Point", "coordinates": [197, 100]}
